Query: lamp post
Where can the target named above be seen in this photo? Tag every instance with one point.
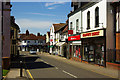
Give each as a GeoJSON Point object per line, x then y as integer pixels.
{"type": "Point", "coordinates": [1, 5]}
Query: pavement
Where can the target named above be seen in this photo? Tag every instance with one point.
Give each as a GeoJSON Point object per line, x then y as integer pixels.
{"type": "Point", "coordinates": [53, 66]}
{"type": "Point", "coordinates": [14, 73]}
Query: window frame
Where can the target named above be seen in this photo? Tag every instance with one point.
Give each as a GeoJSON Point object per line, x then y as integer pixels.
{"type": "Point", "coordinates": [88, 20]}
{"type": "Point", "coordinates": [96, 17]}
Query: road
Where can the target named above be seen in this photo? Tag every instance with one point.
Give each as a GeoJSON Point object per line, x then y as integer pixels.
{"type": "Point", "coordinates": [42, 66]}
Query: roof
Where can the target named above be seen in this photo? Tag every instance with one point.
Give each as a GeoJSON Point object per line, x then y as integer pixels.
{"type": "Point", "coordinates": [48, 34]}
{"type": "Point", "coordinates": [65, 29]}
{"type": "Point", "coordinates": [31, 37]}
{"type": "Point", "coordinates": [58, 26]}
{"type": "Point", "coordinates": [13, 24]}
{"type": "Point", "coordinates": [41, 37]}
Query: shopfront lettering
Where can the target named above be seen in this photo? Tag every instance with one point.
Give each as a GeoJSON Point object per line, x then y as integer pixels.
{"type": "Point", "coordinates": [87, 34]}
{"type": "Point", "coordinates": [92, 34]}
{"type": "Point", "coordinates": [74, 38]}
{"type": "Point", "coordinates": [95, 33]}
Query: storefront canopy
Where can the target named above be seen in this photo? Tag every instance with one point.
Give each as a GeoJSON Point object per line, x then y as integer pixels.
{"type": "Point", "coordinates": [51, 46]}
{"type": "Point", "coordinates": [60, 43]}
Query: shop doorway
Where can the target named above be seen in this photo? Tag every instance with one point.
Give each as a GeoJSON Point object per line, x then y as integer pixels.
{"type": "Point", "coordinates": [99, 54]}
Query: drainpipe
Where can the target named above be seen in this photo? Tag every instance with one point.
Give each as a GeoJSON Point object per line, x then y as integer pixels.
{"type": "Point", "coordinates": [1, 24]}
{"type": "Point", "coordinates": [81, 51]}
{"type": "Point", "coordinates": [115, 32]}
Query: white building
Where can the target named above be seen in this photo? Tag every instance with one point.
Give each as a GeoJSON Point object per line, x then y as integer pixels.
{"type": "Point", "coordinates": [92, 24]}
{"type": "Point", "coordinates": [32, 42]}
{"type": "Point", "coordinates": [54, 37]}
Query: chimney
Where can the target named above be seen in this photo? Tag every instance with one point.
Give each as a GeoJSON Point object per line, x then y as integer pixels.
{"type": "Point", "coordinates": [44, 34]}
{"type": "Point", "coordinates": [12, 19]}
{"type": "Point", "coordinates": [38, 34]}
{"type": "Point", "coordinates": [67, 21]}
{"type": "Point", "coordinates": [27, 32]}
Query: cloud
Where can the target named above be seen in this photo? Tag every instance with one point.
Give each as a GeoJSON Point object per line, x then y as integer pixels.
{"type": "Point", "coordinates": [42, 14]}
{"type": "Point", "coordinates": [53, 3]}
{"type": "Point", "coordinates": [52, 7]}
{"type": "Point", "coordinates": [29, 23]}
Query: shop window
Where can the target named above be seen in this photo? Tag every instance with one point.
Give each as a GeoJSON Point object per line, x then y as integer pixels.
{"type": "Point", "coordinates": [77, 25]}
{"type": "Point", "coordinates": [76, 51]}
{"type": "Point", "coordinates": [99, 54]}
{"type": "Point", "coordinates": [70, 25]}
{"type": "Point", "coordinates": [97, 17]}
{"type": "Point", "coordinates": [28, 42]}
{"type": "Point", "coordinates": [85, 53]}
{"type": "Point", "coordinates": [91, 53]}
{"type": "Point", "coordinates": [88, 20]}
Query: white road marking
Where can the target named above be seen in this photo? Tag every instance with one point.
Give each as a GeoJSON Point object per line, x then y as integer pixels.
{"type": "Point", "coordinates": [45, 62]}
{"type": "Point", "coordinates": [56, 68]}
{"type": "Point", "coordinates": [70, 74]}
{"type": "Point", "coordinates": [48, 63]}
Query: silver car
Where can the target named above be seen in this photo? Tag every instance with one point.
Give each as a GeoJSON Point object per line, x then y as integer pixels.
{"type": "Point", "coordinates": [32, 52]}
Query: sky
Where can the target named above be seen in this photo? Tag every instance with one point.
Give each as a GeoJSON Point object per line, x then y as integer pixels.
{"type": "Point", "coordinates": [39, 16]}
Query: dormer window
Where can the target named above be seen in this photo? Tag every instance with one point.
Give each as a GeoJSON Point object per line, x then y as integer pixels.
{"type": "Point", "coordinates": [97, 17]}
{"type": "Point", "coordinates": [88, 20]}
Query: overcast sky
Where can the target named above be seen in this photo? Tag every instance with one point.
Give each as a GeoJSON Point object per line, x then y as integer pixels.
{"type": "Point", "coordinates": [39, 16]}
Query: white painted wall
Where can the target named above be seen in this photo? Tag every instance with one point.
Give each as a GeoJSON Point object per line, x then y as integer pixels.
{"type": "Point", "coordinates": [31, 42]}
{"type": "Point", "coordinates": [102, 16]}
{"type": "Point", "coordinates": [47, 38]}
{"type": "Point", "coordinates": [52, 35]}
{"type": "Point", "coordinates": [65, 36]}
{"type": "Point", "coordinates": [73, 19]}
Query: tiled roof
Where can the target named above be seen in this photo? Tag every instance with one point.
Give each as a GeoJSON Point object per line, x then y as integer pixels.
{"type": "Point", "coordinates": [30, 37]}
{"type": "Point", "coordinates": [58, 26]}
{"type": "Point", "coordinates": [41, 37]}
{"type": "Point", "coordinates": [65, 29]}
{"type": "Point", "coordinates": [22, 36]}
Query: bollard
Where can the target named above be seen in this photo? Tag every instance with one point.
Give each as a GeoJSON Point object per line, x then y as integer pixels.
{"type": "Point", "coordinates": [21, 68]}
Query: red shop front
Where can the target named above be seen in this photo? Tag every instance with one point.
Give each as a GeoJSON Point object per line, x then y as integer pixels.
{"type": "Point", "coordinates": [75, 46]}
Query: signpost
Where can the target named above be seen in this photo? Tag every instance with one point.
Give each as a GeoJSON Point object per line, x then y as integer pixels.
{"type": "Point", "coordinates": [0, 39]}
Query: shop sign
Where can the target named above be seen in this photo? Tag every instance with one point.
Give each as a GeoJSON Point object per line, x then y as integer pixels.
{"type": "Point", "coordinates": [57, 40]}
{"type": "Point", "coordinates": [93, 34]}
{"type": "Point", "coordinates": [74, 38]}
{"type": "Point", "coordinates": [70, 31]}
{"type": "Point", "coordinates": [51, 40]}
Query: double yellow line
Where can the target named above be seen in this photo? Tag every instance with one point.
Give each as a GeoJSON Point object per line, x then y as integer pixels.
{"type": "Point", "coordinates": [30, 74]}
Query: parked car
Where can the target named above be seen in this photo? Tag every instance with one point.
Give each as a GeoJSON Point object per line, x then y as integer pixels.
{"type": "Point", "coordinates": [33, 52]}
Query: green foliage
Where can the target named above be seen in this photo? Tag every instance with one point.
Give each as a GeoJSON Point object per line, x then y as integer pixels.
{"type": "Point", "coordinates": [5, 72]}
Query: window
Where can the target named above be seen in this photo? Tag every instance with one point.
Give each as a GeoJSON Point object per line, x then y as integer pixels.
{"type": "Point", "coordinates": [25, 41]}
{"type": "Point", "coordinates": [28, 41]}
{"type": "Point", "coordinates": [88, 20]}
{"type": "Point", "coordinates": [35, 41]}
{"type": "Point", "coordinates": [77, 25]}
{"type": "Point", "coordinates": [70, 25]}
{"type": "Point", "coordinates": [97, 17]}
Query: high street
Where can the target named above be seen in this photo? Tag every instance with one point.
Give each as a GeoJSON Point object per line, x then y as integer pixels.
{"type": "Point", "coordinates": [51, 66]}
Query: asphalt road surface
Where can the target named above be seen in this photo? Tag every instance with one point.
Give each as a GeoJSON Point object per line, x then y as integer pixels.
{"type": "Point", "coordinates": [41, 66]}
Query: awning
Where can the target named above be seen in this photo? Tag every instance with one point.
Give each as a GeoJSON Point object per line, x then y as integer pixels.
{"type": "Point", "coordinates": [51, 46]}
{"type": "Point", "coordinates": [60, 43]}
